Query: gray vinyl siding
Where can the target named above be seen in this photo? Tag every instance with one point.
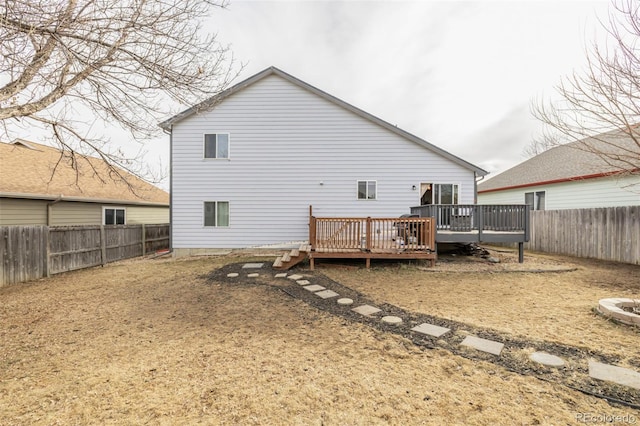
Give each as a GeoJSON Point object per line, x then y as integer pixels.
{"type": "Point", "coordinates": [285, 141]}
{"type": "Point", "coordinates": [579, 194]}
{"type": "Point", "coordinates": [17, 211]}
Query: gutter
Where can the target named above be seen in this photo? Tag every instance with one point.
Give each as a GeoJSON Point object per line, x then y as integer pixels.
{"type": "Point", "coordinates": [552, 181]}
{"type": "Point", "coordinates": [57, 198]}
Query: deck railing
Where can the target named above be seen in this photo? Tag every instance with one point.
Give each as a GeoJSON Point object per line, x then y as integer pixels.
{"type": "Point", "coordinates": [477, 217]}
{"type": "Point", "coordinates": [330, 234]}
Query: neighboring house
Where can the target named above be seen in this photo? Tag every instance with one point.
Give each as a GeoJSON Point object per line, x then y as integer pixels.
{"type": "Point", "coordinates": [32, 194]}
{"type": "Point", "coordinates": [247, 164]}
{"type": "Point", "coordinates": [569, 176]}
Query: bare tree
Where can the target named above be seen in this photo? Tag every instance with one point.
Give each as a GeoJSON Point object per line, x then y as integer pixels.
{"type": "Point", "coordinates": [125, 61]}
{"type": "Point", "coordinates": [599, 109]}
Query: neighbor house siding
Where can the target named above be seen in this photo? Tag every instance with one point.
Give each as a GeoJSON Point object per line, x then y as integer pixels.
{"type": "Point", "coordinates": [144, 214]}
{"type": "Point", "coordinates": [578, 194]}
{"type": "Point", "coordinates": [17, 211]}
{"type": "Point", "coordinates": [289, 149]}
{"type": "Point", "coordinates": [67, 213]}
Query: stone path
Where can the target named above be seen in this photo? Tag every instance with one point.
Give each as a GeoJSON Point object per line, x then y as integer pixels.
{"type": "Point", "coordinates": [596, 370]}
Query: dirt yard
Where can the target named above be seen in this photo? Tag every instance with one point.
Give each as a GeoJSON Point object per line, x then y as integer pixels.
{"type": "Point", "coordinates": [160, 341]}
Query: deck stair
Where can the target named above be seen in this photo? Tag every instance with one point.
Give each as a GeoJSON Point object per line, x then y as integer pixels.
{"type": "Point", "coordinates": [292, 258]}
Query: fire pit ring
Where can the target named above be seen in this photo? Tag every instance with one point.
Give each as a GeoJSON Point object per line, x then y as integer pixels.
{"type": "Point", "coordinates": [621, 309]}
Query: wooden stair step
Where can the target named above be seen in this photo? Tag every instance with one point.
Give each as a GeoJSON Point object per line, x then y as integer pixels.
{"type": "Point", "coordinates": [294, 253]}
{"type": "Point", "coordinates": [286, 257]}
{"type": "Point", "coordinates": [278, 262]}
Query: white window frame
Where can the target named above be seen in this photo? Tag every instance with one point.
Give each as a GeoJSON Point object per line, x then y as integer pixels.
{"type": "Point", "coordinates": [367, 182]}
{"type": "Point", "coordinates": [535, 195]}
{"type": "Point", "coordinates": [204, 213]}
{"type": "Point", "coordinates": [114, 208]}
{"type": "Point", "coordinates": [204, 146]}
{"type": "Point", "coordinates": [454, 186]}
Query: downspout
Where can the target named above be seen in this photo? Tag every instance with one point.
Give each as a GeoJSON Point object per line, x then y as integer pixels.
{"type": "Point", "coordinates": [170, 133]}
{"type": "Point", "coordinates": [50, 208]}
{"type": "Point", "coordinates": [475, 186]}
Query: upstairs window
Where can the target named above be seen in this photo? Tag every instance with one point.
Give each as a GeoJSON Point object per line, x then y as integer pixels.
{"type": "Point", "coordinates": [367, 189]}
{"type": "Point", "coordinates": [216, 145]}
{"type": "Point", "coordinates": [113, 216]}
{"type": "Point", "coordinates": [216, 213]}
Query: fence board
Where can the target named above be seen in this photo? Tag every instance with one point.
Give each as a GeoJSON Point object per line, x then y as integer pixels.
{"type": "Point", "coordinates": [22, 253]}
{"type": "Point", "coordinates": [32, 252]}
{"type": "Point", "coordinates": [599, 233]}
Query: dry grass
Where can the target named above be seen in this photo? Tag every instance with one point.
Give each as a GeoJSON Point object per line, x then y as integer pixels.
{"type": "Point", "coordinates": [551, 306]}
{"type": "Point", "coordinates": [152, 342]}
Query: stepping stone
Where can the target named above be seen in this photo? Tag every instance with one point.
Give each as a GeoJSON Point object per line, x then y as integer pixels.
{"type": "Point", "coordinates": [390, 319]}
{"type": "Point", "coordinates": [345, 301]}
{"type": "Point", "coordinates": [547, 359]}
{"type": "Point", "coordinates": [253, 275]}
{"type": "Point", "coordinates": [252, 265]}
{"type": "Point", "coordinates": [327, 294]}
{"type": "Point", "coordinates": [366, 310]}
{"type": "Point", "coordinates": [611, 373]}
{"type": "Point", "coordinates": [314, 288]}
{"type": "Point", "coordinates": [303, 282]}
{"type": "Point", "coordinates": [295, 277]}
{"type": "Point", "coordinates": [484, 345]}
{"type": "Point", "coordinates": [431, 329]}
{"type": "Point", "coordinates": [232, 274]}
{"type": "Point", "coordinates": [281, 275]}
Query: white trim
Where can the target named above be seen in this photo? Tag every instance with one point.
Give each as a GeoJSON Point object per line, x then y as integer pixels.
{"type": "Point", "coordinates": [104, 208]}
{"type": "Point", "coordinates": [433, 183]}
{"type": "Point", "coordinates": [367, 190]}
{"type": "Point", "coordinates": [204, 135]}
{"type": "Point", "coordinates": [216, 217]}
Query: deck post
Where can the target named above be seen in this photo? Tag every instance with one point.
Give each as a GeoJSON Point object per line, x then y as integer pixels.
{"type": "Point", "coordinates": [312, 232]}
{"type": "Point", "coordinates": [520, 252]}
{"type": "Point", "coordinates": [480, 213]}
{"type": "Point", "coordinates": [368, 248]}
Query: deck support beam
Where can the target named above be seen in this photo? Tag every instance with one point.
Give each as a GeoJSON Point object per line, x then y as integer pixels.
{"type": "Point", "coordinates": [521, 252]}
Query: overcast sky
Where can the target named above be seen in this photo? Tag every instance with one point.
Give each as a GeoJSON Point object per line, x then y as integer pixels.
{"type": "Point", "coordinates": [461, 75]}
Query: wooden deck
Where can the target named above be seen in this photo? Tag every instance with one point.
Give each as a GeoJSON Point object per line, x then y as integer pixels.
{"type": "Point", "coordinates": [371, 238]}
{"type": "Point", "coordinates": [479, 223]}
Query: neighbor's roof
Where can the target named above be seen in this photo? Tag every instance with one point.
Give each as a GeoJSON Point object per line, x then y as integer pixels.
{"type": "Point", "coordinates": [26, 171]}
{"type": "Point", "coordinates": [569, 162]}
{"type": "Point", "coordinates": [211, 102]}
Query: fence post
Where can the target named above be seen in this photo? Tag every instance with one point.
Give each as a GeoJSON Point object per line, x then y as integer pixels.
{"type": "Point", "coordinates": [47, 260]}
{"type": "Point", "coordinates": [103, 246]}
{"type": "Point", "coordinates": [144, 242]}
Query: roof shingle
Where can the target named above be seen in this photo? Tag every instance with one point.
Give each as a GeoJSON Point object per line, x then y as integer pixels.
{"type": "Point", "coordinates": [572, 161]}
{"type": "Point", "coordinates": [27, 170]}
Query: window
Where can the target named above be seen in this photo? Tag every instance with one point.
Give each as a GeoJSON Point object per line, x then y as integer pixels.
{"type": "Point", "coordinates": [216, 213]}
{"type": "Point", "coordinates": [113, 216]}
{"type": "Point", "coordinates": [439, 193]}
{"type": "Point", "coordinates": [367, 189]}
{"type": "Point", "coordinates": [216, 145]}
{"type": "Point", "coordinates": [536, 200]}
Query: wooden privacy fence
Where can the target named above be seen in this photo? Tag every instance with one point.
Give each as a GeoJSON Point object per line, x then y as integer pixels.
{"type": "Point", "coordinates": [600, 233]}
{"type": "Point", "coordinates": [32, 252]}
